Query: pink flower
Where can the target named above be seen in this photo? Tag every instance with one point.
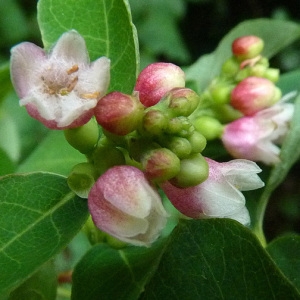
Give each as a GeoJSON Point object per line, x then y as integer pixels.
{"type": "Point", "coordinates": [156, 80]}
{"type": "Point", "coordinates": [124, 204]}
{"type": "Point", "coordinates": [59, 88]}
{"type": "Point", "coordinates": [248, 46]}
{"type": "Point", "coordinates": [254, 94]}
{"type": "Point", "coordinates": [219, 196]}
{"type": "Point", "coordinates": [256, 137]}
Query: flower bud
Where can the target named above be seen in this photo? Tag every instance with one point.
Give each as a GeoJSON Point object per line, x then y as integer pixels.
{"type": "Point", "coordinates": [197, 142]}
{"type": "Point", "coordinates": [155, 122]}
{"type": "Point", "coordinates": [210, 127]}
{"type": "Point", "coordinates": [83, 138]}
{"type": "Point", "coordinates": [180, 126]}
{"type": "Point", "coordinates": [182, 102]}
{"type": "Point", "coordinates": [180, 146]}
{"type": "Point", "coordinates": [119, 113]}
{"type": "Point", "coordinates": [81, 179]}
{"type": "Point", "coordinates": [220, 92]}
{"type": "Point", "coordinates": [230, 67]}
{"type": "Point", "coordinates": [193, 171]}
{"type": "Point", "coordinates": [160, 164]}
{"type": "Point", "coordinates": [247, 47]}
{"type": "Point", "coordinates": [156, 80]}
{"type": "Point", "coordinates": [254, 94]}
{"type": "Point", "coordinates": [124, 204]}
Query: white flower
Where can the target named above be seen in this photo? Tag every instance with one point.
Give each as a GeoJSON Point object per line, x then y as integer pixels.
{"type": "Point", "coordinates": [59, 88]}
{"type": "Point", "coordinates": [219, 196]}
{"type": "Point", "coordinates": [124, 204]}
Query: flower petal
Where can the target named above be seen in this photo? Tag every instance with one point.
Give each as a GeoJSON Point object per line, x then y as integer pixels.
{"type": "Point", "coordinates": [71, 48]}
{"type": "Point", "coordinates": [26, 59]}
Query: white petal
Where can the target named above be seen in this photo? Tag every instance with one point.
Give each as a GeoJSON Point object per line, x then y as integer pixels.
{"type": "Point", "coordinates": [26, 59]}
{"type": "Point", "coordinates": [220, 199]}
{"type": "Point", "coordinates": [70, 47]}
{"type": "Point", "coordinates": [241, 216]}
{"type": "Point", "coordinates": [96, 78]}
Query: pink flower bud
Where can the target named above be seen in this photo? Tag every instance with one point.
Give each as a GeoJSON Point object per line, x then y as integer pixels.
{"type": "Point", "coordinates": [219, 196]}
{"type": "Point", "coordinates": [124, 204]}
{"type": "Point", "coordinates": [255, 137]}
{"type": "Point", "coordinates": [254, 94]}
{"type": "Point", "coordinates": [246, 47]}
{"type": "Point", "coordinates": [156, 80]}
{"type": "Point", "coordinates": [59, 88]}
{"type": "Point", "coordinates": [119, 113]}
{"type": "Point", "coordinates": [160, 164]}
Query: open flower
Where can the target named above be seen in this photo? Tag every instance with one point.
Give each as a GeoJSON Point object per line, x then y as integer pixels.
{"type": "Point", "coordinates": [124, 204]}
{"type": "Point", "coordinates": [59, 88]}
{"type": "Point", "coordinates": [256, 137]}
{"type": "Point", "coordinates": [219, 196]}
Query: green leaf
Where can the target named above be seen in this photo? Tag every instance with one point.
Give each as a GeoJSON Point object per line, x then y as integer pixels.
{"type": "Point", "coordinates": [107, 28]}
{"type": "Point", "coordinates": [289, 82]}
{"type": "Point", "coordinates": [209, 66]}
{"type": "Point", "coordinates": [39, 216]}
{"type": "Point", "coordinates": [216, 259]}
{"type": "Point", "coordinates": [285, 252]}
{"type": "Point", "coordinates": [53, 154]}
{"type": "Point", "coordinates": [6, 165]}
{"type": "Point", "coordinates": [5, 85]}
{"type": "Point", "coordinates": [107, 273]}
{"type": "Point", "coordinates": [41, 285]}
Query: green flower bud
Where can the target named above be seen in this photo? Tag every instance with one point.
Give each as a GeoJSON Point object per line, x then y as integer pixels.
{"type": "Point", "coordinates": [154, 122]}
{"type": "Point", "coordinates": [230, 67]}
{"type": "Point", "coordinates": [272, 74]}
{"type": "Point", "coordinates": [83, 138]}
{"type": "Point", "coordinates": [178, 145]}
{"type": "Point", "coordinates": [180, 126]}
{"type": "Point", "coordinates": [193, 171]}
{"type": "Point", "coordinates": [197, 141]}
{"type": "Point", "coordinates": [182, 101]}
{"type": "Point", "coordinates": [160, 164]}
{"type": "Point", "coordinates": [105, 157]}
{"type": "Point", "coordinates": [210, 127]}
{"type": "Point", "coordinates": [220, 92]}
{"type": "Point", "coordinates": [81, 179]}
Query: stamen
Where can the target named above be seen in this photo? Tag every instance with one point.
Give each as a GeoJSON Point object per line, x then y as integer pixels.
{"type": "Point", "coordinates": [94, 95]}
{"type": "Point", "coordinates": [73, 69]}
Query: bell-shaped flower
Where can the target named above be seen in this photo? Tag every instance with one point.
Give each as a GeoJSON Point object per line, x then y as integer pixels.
{"type": "Point", "coordinates": [219, 196]}
{"type": "Point", "coordinates": [124, 204]}
{"type": "Point", "coordinates": [59, 88]}
{"type": "Point", "coordinates": [257, 137]}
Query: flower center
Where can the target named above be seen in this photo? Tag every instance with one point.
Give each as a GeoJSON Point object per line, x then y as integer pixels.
{"type": "Point", "coordinates": [60, 81]}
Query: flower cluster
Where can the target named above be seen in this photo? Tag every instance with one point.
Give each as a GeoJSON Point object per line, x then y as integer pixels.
{"type": "Point", "coordinates": [251, 117]}
{"type": "Point", "coordinates": [151, 140]}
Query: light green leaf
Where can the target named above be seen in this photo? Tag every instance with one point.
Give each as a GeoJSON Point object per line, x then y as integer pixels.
{"type": "Point", "coordinates": [208, 66]}
{"type": "Point", "coordinates": [106, 273]}
{"type": "Point", "coordinates": [107, 28]}
{"type": "Point", "coordinates": [216, 259]}
{"type": "Point", "coordinates": [39, 216]}
{"type": "Point", "coordinates": [6, 164]}
{"type": "Point", "coordinates": [53, 154]}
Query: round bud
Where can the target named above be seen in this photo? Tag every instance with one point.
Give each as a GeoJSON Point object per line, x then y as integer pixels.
{"type": "Point", "coordinates": [209, 127]}
{"type": "Point", "coordinates": [246, 47]}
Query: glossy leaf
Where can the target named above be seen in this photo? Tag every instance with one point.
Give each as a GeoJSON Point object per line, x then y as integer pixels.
{"type": "Point", "coordinates": [106, 273]}
{"type": "Point", "coordinates": [216, 259]}
{"type": "Point", "coordinates": [208, 66]}
{"type": "Point", "coordinates": [285, 251]}
{"type": "Point", "coordinates": [107, 28]}
{"type": "Point", "coordinates": [39, 216]}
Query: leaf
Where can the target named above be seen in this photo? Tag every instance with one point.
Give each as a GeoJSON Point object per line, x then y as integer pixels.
{"type": "Point", "coordinates": [209, 66]}
{"type": "Point", "coordinates": [39, 216]}
{"type": "Point", "coordinates": [41, 285]}
{"type": "Point", "coordinates": [289, 82]}
{"type": "Point", "coordinates": [53, 154]}
{"type": "Point", "coordinates": [107, 28]}
{"type": "Point", "coordinates": [107, 273]}
{"type": "Point", "coordinates": [5, 85]}
{"type": "Point", "coordinates": [285, 252]}
{"type": "Point", "coordinates": [216, 259]}
{"type": "Point", "coordinates": [6, 165]}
